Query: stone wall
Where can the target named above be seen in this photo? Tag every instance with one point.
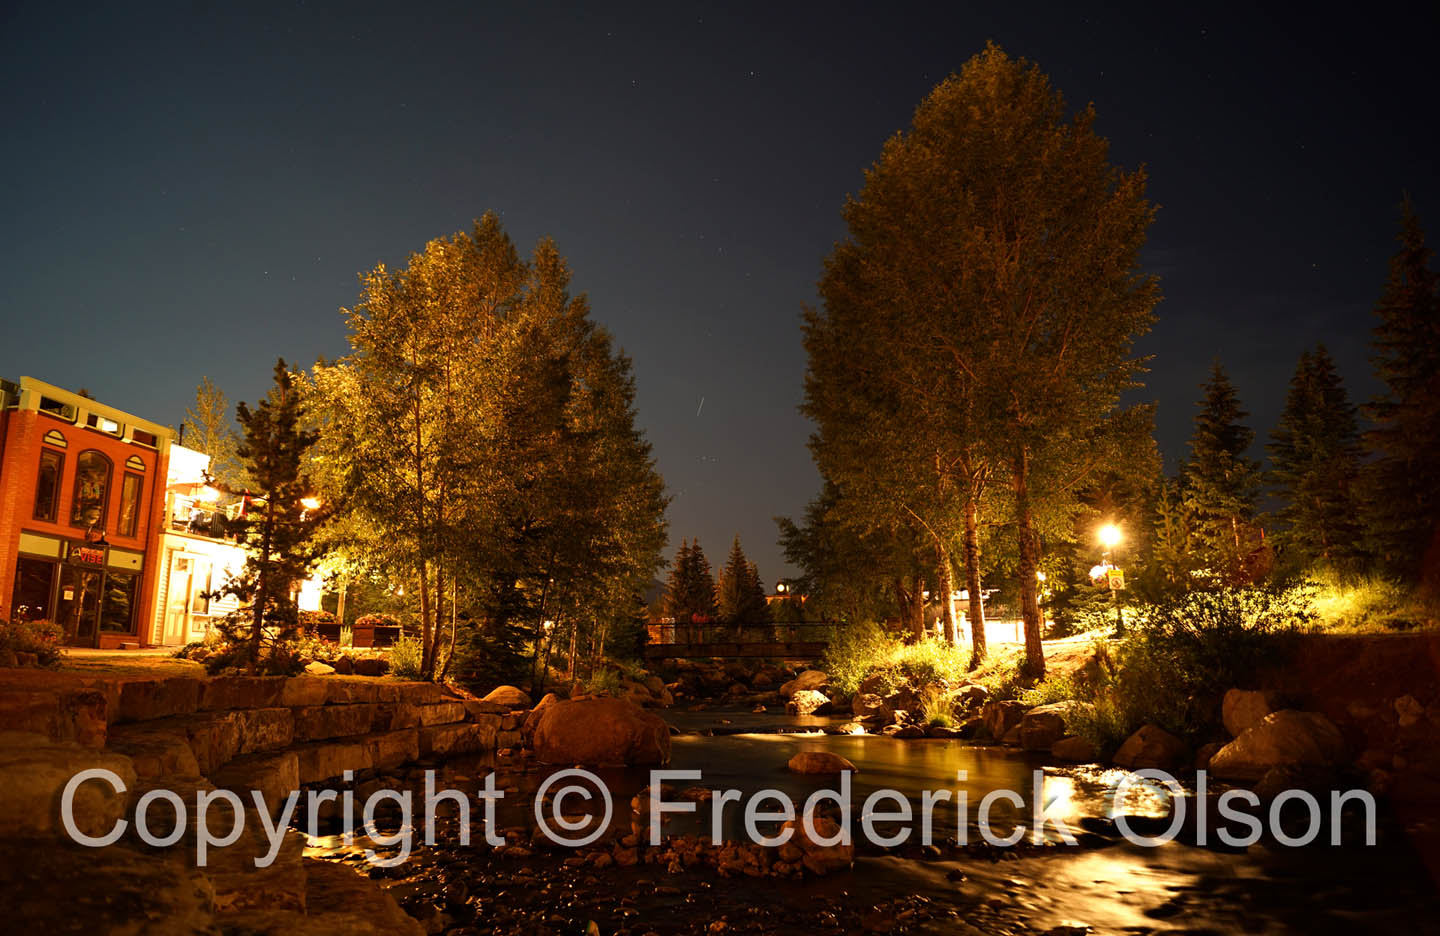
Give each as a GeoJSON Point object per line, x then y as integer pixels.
{"type": "Point", "coordinates": [189, 735]}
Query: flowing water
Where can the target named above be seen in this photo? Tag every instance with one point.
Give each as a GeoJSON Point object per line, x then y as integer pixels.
{"type": "Point", "coordinates": [1104, 883]}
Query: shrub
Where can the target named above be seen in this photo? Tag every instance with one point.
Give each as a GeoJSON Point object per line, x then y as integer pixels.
{"type": "Point", "coordinates": [937, 706]}
{"type": "Point", "coordinates": [1051, 689]}
{"type": "Point", "coordinates": [41, 638]}
{"type": "Point", "coordinates": [405, 655]}
{"type": "Point", "coordinates": [605, 681]}
{"type": "Point", "coordinates": [854, 652]}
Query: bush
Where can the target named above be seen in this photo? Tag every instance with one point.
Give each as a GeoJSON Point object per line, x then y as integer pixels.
{"type": "Point", "coordinates": [854, 652]}
{"type": "Point", "coordinates": [1180, 657]}
{"type": "Point", "coordinates": [1372, 603]}
{"type": "Point", "coordinates": [405, 658]}
{"type": "Point", "coordinates": [1051, 689]}
{"type": "Point", "coordinates": [41, 638]}
{"type": "Point", "coordinates": [937, 706]}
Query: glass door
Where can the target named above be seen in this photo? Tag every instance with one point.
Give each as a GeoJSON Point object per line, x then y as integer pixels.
{"type": "Point", "coordinates": [79, 605]}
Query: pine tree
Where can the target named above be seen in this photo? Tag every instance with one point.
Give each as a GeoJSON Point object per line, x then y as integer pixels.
{"type": "Point", "coordinates": [277, 532]}
{"type": "Point", "coordinates": [1404, 481]}
{"type": "Point", "coordinates": [740, 596]}
{"type": "Point", "coordinates": [690, 589]}
{"type": "Point", "coordinates": [1221, 485]}
{"type": "Point", "coordinates": [1315, 453]}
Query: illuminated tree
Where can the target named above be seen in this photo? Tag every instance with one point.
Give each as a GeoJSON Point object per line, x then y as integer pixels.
{"type": "Point", "coordinates": [277, 530]}
{"type": "Point", "coordinates": [979, 322]}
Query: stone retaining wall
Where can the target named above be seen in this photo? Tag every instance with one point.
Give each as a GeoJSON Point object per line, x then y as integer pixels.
{"type": "Point", "coordinates": [188, 734]}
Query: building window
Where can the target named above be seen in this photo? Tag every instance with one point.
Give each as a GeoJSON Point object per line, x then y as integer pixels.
{"type": "Point", "coordinates": [34, 584]}
{"type": "Point", "coordinates": [129, 505]}
{"type": "Point", "coordinates": [47, 485]}
{"type": "Point", "coordinates": [92, 487]}
{"type": "Point", "coordinates": [117, 610]}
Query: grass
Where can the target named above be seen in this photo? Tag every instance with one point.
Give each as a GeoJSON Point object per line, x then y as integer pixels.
{"type": "Point", "coordinates": [1370, 604]}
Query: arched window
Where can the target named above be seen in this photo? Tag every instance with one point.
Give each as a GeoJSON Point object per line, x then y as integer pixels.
{"type": "Point", "coordinates": [92, 488]}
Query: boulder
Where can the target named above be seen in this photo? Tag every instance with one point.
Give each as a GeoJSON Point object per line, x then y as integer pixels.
{"type": "Point", "coordinates": [371, 666]}
{"type": "Point", "coordinates": [809, 679]}
{"type": "Point", "coordinates": [1075, 750]}
{"type": "Point", "coordinates": [820, 762]}
{"type": "Point", "coordinates": [808, 702]}
{"type": "Point", "coordinates": [820, 859]}
{"type": "Point", "coordinates": [1286, 738]}
{"type": "Point", "coordinates": [1151, 747]}
{"type": "Point", "coordinates": [600, 731]}
{"type": "Point", "coordinates": [1043, 725]}
{"type": "Point", "coordinates": [970, 696]}
{"type": "Point", "coordinates": [510, 697]}
{"type": "Point", "coordinates": [34, 771]}
{"type": "Point", "coordinates": [317, 668]}
{"type": "Point", "coordinates": [527, 729]}
{"type": "Point", "coordinates": [870, 705]}
{"type": "Point", "coordinates": [1203, 755]}
{"type": "Point", "coordinates": [1000, 717]}
{"type": "Point", "coordinates": [1243, 709]}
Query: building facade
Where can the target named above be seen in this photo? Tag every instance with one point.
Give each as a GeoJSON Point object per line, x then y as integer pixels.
{"type": "Point", "coordinates": [82, 505]}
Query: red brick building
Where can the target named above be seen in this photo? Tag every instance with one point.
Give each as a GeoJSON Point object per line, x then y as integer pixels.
{"type": "Point", "coordinates": [82, 498]}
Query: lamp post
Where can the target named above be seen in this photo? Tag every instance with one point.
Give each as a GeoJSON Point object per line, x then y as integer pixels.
{"type": "Point", "coordinates": [1110, 537]}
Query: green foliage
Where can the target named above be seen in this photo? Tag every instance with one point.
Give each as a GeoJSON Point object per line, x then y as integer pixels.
{"type": "Point", "coordinates": [1403, 496]}
{"type": "Point", "coordinates": [1315, 453]}
{"type": "Point", "coordinates": [978, 329]}
{"type": "Point", "coordinates": [483, 433]}
{"type": "Point", "coordinates": [1220, 486]}
{"type": "Point", "coordinates": [277, 532]}
{"type": "Point", "coordinates": [406, 659]}
{"type": "Point", "coordinates": [937, 706]}
{"type": "Point", "coordinates": [1052, 689]}
{"type": "Point", "coordinates": [690, 591]}
{"type": "Point", "coordinates": [605, 681]}
{"type": "Point", "coordinates": [854, 652]}
{"type": "Point", "coordinates": [41, 638]}
{"type": "Point", "coordinates": [208, 428]}
{"type": "Point", "coordinates": [1370, 604]}
{"type": "Point", "coordinates": [740, 597]}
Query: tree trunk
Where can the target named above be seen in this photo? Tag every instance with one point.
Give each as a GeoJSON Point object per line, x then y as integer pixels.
{"type": "Point", "coordinates": [972, 584]}
{"type": "Point", "coordinates": [1029, 565]}
{"type": "Point", "coordinates": [912, 609]}
{"type": "Point", "coordinates": [947, 587]}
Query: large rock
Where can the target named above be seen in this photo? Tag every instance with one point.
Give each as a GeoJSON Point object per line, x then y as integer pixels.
{"type": "Point", "coordinates": [600, 731]}
{"type": "Point", "coordinates": [870, 705]}
{"type": "Point", "coordinates": [1076, 750]}
{"type": "Point", "coordinates": [509, 696]}
{"type": "Point", "coordinates": [34, 772]}
{"type": "Point", "coordinates": [1043, 725]}
{"type": "Point", "coordinates": [820, 762]}
{"type": "Point", "coordinates": [809, 679]}
{"type": "Point", "coordinates": [1286, 738]}
{"type": "Point", "coordinates": [1001, 717]}
{"type": "Point", "coordinates": [527, 728]}
{"type": "Point", "coordinates": [1243, 709]}
{"type": "Point", "coordinates": [1152, 747]}
{"type": "Point", "coordinates": [818, 858]}
{"type": "Point", "coordinates": [66, 714]}
{"type": "Point", "coordinates": [808, 702]}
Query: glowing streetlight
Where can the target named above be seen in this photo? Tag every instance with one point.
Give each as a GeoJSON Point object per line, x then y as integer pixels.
{"type": "Point", "coordinates": [310, 503]}
{"type": "Point", "coordinates": [1110, 537]}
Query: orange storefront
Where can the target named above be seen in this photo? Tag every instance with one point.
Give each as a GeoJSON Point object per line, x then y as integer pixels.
{"type": "Point", "coordinates": [82, 494]}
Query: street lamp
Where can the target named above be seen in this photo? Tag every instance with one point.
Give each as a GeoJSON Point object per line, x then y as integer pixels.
{"type": "Point", "coordinates": [1110, 537]}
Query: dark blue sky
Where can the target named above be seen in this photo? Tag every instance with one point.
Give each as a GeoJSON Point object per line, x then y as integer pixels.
{"type": "Point", "coordinates": [193, 194]}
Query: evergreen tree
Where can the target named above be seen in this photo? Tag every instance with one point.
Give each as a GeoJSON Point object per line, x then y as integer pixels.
{"type": "Point", "coordinates": [1221, 485]}
{"type": "Point", "coordinates": [1315, 457]}
{"type": "Point", "coordinates": [739, 593]}
{"type": "Point", "coordinates": [690, 590]}
{"type": "Point", "coordinates": [278, 529]}
{"type": "Point", "coordinates": [1404, 480]}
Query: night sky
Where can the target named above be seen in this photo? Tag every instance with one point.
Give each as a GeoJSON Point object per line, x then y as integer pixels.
{"type": "Point", "coordinates": [193, 194]}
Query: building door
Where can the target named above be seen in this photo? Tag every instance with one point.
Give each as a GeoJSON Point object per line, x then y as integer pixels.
{"type": "Point", "coordinates": [79, 605]}
{"type": "Point", "coordinates": [177, 604]}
